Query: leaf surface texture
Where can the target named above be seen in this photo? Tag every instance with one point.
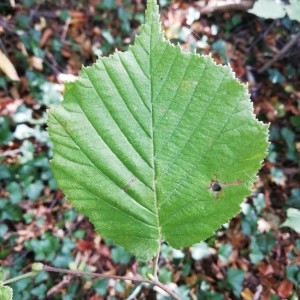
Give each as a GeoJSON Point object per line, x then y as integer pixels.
{"type": "Point", "coordinates": [143, 135]}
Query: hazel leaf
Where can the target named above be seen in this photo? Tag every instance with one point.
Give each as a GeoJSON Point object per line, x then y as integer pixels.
{"type": "Point", "coordinates": [143, 137]}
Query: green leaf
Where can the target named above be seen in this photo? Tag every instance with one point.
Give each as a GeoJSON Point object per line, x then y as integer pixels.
{"type": "Point", "coordinates": [6, 292]}
{"type": "Point", "coordinates": [15, 192]}
{"type": "Point", "coordinates": [5, 134]}
{"type": "Point", "coordinates": [183, 292]}
{"type": "Point", "coordinates": [165, 275]}
{"type": "Point", "coordinates": [39, 290]}
{"type": "Point", "coordinates": [3, 231]}
{"type": "Point", "coordinates": [293, 10]}
{"type": "Point", "coordinates": [269, 9]}
{"type": "Point", "coordinates": [100, 286]}
{"type": "Point", "coordinates": [293, 273]}
{"type": "Point", "coordinates": [34, 189]}
{"type": "Point", "coordinates": [144, 137]}
{"type": "Point", "coordinates": [235, 279]}
{"type": "Point", "coordinates": [224, 252]}
{"type": "Point", "coordinates": [293, 219]}
{"type": "Point", "coordinates": [265, 242]}
{"type": "Point", "coordinates": [119, 255]}
{"type": "Point", "coordinates": [293, 200]}
{"type": "Point", "coordinates": [272, 9]}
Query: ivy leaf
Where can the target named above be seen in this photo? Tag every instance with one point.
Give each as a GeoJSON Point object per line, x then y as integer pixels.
{"type": "Point", "coordinates": [156, 144]}
{"type": "Point", "coordinates": [293, 219]}
{"type": "Point", "coordinates": [268, 9]}
{"type": "Point", "coordinates": [271, 9]}
{"type": "Point", "coordinates": [293, 10]}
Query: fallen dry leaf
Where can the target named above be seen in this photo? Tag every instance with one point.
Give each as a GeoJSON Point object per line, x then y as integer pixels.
{"type": "Point", "coordinates": [83, 245]}
{"type": "Point", "coordinates": [247, 294]}
{"type": "Point", "coordinates": [7, 67]}
{"type": "Point", "coordinates": [48, 32]}
{"type": "Point", "coordinates": [36, 63]}
{"type": "Point", "coordinates": [285, 288]}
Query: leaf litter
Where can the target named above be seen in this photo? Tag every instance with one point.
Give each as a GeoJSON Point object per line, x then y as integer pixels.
{"type": "Point", "coordinates": [246, 40]}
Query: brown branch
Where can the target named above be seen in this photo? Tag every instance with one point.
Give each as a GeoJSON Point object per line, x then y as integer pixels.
{"type": "Point", "coordinates": [98, 275]}
{"type": "Point", "coordinates": [45, 13]}
{"type": "Point", "coordinates": [11, 153]}
{"type": "Point", "coordinates": [281, 53]}
{"type": "Point", "coordinates": [66, 280]}
{"type": "Point", "coordinates": [223, 5]}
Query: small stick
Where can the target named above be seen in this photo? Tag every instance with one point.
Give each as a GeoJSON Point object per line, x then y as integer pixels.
{"type": "Point", "coordinates": [65, 29]}
{"type": "Point", "coordinates": [98, 275]}
{"type": "Point", "coordinates": [289, 45]}
{"type": "Point", "coordinates": [223, 5]}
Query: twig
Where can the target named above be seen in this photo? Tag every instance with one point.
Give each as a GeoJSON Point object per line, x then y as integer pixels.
{"type": "Point", "coordinates": [52, 63]}
{"type": "Point", "coordinates": [155, 263]}
{"type": "Point", "coordinates": [12, 3]}
{"type": "Point", "coordinates": [7, 25]}
{"type": "Point", "coordinates": [65, 29]}
{"type": "Point", "coordinates": [48, 14]}
{"type": "Point", "coordinates": [11, 152]}
{"type": "Point", "coordinates": [279, 55]}
{"type": "Point", "coordinates": [135, 292]}
{"type": "Point", "coordinates": [224, 5]}
{"type": "Point", "coordinates": [261, 36]}
{"type": "Point", "coordinates": [23, 276]}
{"type": "Point", "coordinates": [152, 281]}
{"type": "Point", "coordinates": [66, 280]}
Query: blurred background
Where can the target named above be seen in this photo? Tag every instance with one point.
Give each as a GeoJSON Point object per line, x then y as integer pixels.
{"type": "Point", "coordinates": [45, 43]}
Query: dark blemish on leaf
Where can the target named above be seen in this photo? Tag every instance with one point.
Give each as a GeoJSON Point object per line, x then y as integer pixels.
{"type": "Point", "coordinates": [217, 187]}
{"type": "Point", "coordinates": [129, 184]}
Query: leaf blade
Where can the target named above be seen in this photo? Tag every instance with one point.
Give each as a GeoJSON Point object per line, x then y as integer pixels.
{"type": "Point", "coordinates": [141, 136]}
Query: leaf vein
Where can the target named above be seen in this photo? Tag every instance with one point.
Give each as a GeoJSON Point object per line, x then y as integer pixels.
{"type": "Point", "coordinates": [104, 174]}
{"type": "Point", "coordinates": [180, 182]}
{"type": "Point", "coordinates": [120, 208]}
{"type": "Point", "coordinates": [126, 137]}
{"type": "Point", "coordinates": [114, 119]}
{"type": "Point", "coordinates": [135, 57]}
{"type": "Point", "coordinates": [135, 86]}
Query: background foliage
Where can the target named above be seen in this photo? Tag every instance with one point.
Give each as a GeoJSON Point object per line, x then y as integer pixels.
{"type": "Point", "coordinates": [251, 257]}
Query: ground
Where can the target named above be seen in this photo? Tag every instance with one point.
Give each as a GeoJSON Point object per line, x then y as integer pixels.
{"type": "Point", "coordinates": [251, 257]}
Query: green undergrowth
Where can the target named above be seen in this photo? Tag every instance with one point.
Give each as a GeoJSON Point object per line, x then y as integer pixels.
{"type": "Point", "coordinates": [29, 198]}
